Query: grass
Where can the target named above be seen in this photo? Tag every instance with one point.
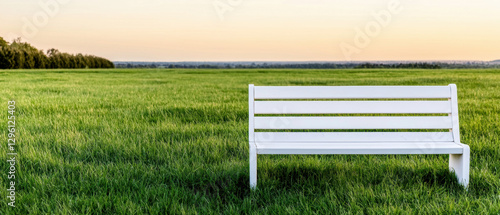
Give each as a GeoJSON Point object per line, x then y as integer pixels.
{"type": "Point", "coordinates": [175, 142]}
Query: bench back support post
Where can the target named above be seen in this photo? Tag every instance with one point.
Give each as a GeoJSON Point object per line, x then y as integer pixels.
{"type": "Point", "coordinates": [251, 138]}
{"type": "Point", "coordinates": [454, 113]}
{"type": "Point", "coordinates": [458, 163]}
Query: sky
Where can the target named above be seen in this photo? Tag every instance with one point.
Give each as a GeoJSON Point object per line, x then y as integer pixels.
{"type": "Point", "coordinates": [259, 30]}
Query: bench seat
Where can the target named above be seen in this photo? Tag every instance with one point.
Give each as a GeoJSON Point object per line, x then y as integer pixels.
{"type": "Point", "coordinates": [359, 148]}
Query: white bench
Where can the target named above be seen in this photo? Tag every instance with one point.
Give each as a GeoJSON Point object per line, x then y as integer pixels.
{"type": "Point", "coordinates": [433, 108]}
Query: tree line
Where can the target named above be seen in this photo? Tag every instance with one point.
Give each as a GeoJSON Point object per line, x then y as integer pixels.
{"type": "Point", "coordinates": [236, 66]}
{"type": "Point", "coordinates": [340, 65]}
{"type": "Point", "coordinates": [399, 66]}
{"type": "Point", "coordinates": [22, 55]}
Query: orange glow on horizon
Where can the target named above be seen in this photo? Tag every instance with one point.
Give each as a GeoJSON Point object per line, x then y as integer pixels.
{"type": "Point", "coordinates": [272, 30]}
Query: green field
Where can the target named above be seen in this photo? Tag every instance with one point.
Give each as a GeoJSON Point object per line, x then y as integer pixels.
{"type": "Point", "coordinates": [175, 142]}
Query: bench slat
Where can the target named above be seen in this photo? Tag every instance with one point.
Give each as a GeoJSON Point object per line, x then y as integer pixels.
{"type": "Point", "coordinates": [346, 92]}
{"type": "Point", "coordinates": [329, 107]}
{"type": "Point", "coordinates": [353, 136]}
{"type": "Point", "coordinates": [361, 148]}
{"type": "Point", "coordinates": [376, 122]}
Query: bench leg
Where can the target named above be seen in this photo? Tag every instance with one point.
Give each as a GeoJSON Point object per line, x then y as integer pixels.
{"type": "Point", "coordinates": [253, 166]}
{"type": "Point", "coordinates": [459, 163]}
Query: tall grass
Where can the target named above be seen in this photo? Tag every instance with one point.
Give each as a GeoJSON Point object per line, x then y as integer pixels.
{"type": "Point", "coordinates": [175, 142]}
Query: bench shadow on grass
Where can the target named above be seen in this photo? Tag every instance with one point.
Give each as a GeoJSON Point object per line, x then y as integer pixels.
{"type": "Point", "coordinates": [292, 176]}
{"type": "Point", "coordinates": [233, 184]}
{"type": "Point", "coordinates": [230, 185]}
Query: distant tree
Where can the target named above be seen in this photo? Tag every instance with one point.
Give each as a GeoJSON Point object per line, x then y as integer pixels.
{"type": "Point", "coordinates": [52, 52]}
{"type": "Point", "coordinates": [6, 57]}
{"type": "Point", "coordinates": [18, 59]}
{"type": "Point", "coordinates": [3, 43]}
{"type": "Point", "coordinates": [54, 59]}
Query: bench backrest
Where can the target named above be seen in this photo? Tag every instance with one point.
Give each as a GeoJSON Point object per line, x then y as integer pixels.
{"type": "Point", "coordinates": [389, 113]}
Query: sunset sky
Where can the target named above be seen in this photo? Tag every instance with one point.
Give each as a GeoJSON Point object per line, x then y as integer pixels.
{"type": "Point", "coordinates": [259, 30]}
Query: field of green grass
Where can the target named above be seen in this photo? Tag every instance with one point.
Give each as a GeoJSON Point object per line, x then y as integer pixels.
{"type": "Point", "coordinates": [175, 142]}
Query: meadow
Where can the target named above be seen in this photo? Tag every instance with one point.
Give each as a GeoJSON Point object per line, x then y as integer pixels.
{"type": "Point", "coordinates": [175, 141]}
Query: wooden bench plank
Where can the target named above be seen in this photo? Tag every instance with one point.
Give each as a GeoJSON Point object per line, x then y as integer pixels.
{"type": "Point", "coordinates": [361, 148]}
{"type": "Point", "coordinates": [353, 136]}
{"type": "Point", "coordinates": [354, 92]}
{"type": "Point", "coordinates": [331, 107]}
{"type": "Point", "coordinates": [375, 122]}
